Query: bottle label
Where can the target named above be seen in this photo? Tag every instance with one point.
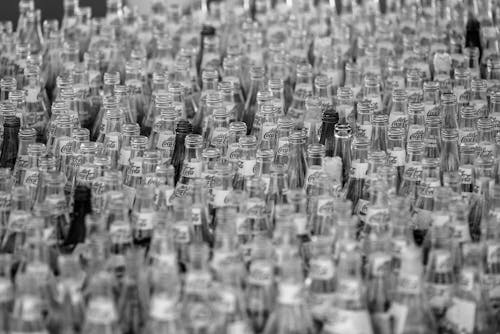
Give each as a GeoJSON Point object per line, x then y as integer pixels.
{"type": "Point", "coordinates": [120, 233]}
{"type": "Point", "coordinates": [57, 204]}
{"type": "Point", "coordinates": [325, 206]}
{"type": "Point", "coordinates": [466, 136]}
{"type": "Point", "coordinates": [399, 313]}
{"type": "Point", "coordinates": [268, 131]}
{"type": "Point", "coordinates": [238, 327]}
{"type": "Point", "coordinates": [321, 269]}
{"type": "Point", "coordinates": [465, 175]}
{"type": "Point", "coordinates": [31, 178]}
{"type": "Point", "coordinates": [377, 217]}
{"type": "Point", "coordinates": [349, 290]}
{"type": "Point", "coordinates": [124, 157]}
{"type": "Point", "coordinates": [320, 304]}
{"type": "Point", "coordinates": [112, 141]}
{"type": "Point", "coordinates": [439, 295]}
{"type": "Point", "coordinates": [233, 153]}
{"type": "Point", "coordinates": [359, 169]}
{"type": "Point", "coordinates": [219, 137]}
{"type": "Point", "coordinates": [220, 198]}
{"type": "Point", "coordinates": [166, 141]}
{"type": "Point", "coordinates": [23, 161]}
{"type": "Point", "coordinates": [397, 157]}
{"type": "Point", "coordinates": [247, 167]}
{"type": "Point", "coordinates": [413, 172]}
{"type": "Point", "coordinates": [313, 172]}
{"type": "Point", "coordinates": [381, 264]}
{"type": "Point", "coordinates": [162, 308]}
{"type": "Point", "coordinates": [101, 311]}
{"type": "Point", "coordinates": [192, 169]}
{"type": "Point", "coordinates": [196, 216]}
{"type": "Point", "coordinates": [32, 94]}
{"type": "Point", "coordinates": [432, 110]}
{"type": "Point", "coordinates": [6, 290]}
{"type": "Point", "coordinates": [416, 133]}
{"type": "Point", "coordinates": [487, 149]}
{"type": "Point", "coordinates": [341, 321]}
{"type": "Point", "coordinates": [197, 283]}
{"type": "Point", "coordinates": [364, 130]}
{"type": "Point", "coordinates": [289, 293]}
{"type": "Point", "coordinates": [144, 221]}
{"type": "Point", "coordinates": [4, 201]}
{"type": "Point", "coordinates": [242, 226]}
{"type": "Point", "coordinates": [181, 233]}
{"type": "Point", "coordinates": [408, 284]}
{"type": "Point", "coordinates": [85, 174]}
{"type": "Point", "coordinates": [492, 254]}
{"type": "Point", "coordinates": [398, 121]}
{"type": "Point", "coordinates": [443, 262]}
{"type": "Point", "coordinates": [65, 146]}
{"type": "Point", "coordinates": [466, 280]}
{"type": "Point", "coordinates": [301, 224]}
{"type": "Point", "coordinates": [462, 314]}
{"type": "Point", "coordinates": [261, 273]}
{"type": "Point", "coordinates": [283, 146]}
{"type": "Point", "coordinates": [136, 166]}
{"type": "Point", "coordinates": [209, 179]}
{"type": "Point", "coordinates": [226, 302]}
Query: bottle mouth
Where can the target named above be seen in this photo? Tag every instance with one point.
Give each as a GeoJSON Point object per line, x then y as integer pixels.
{"type": "Point", "coordinates": [316, 150]}
{"type": "Point", "coordinates": [192, 140]}
{"type": "Point", "coordinates": [240, 127]}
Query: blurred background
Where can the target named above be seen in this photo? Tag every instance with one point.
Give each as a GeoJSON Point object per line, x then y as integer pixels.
{"type": "Point", "coordinates": [53, 9]}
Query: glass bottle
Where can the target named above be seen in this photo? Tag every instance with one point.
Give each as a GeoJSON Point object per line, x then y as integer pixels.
{"type": "Point", "coordinates": [236, 131]}
{"type": "Point", "coordinates": [486, 136]}
{"type": "Point", "coordinates": [163, 135]}
{"type": "Point", "coordinates": [182, 130]}
{"type": "Point", "coordinates": [26, 137]}
{"type": "Point", "coordinates": [449, 153]}
{"type": "Point", "coordinates": [343, 139]}
{"type": "Point", "coordinates": [257, 84]}
{"type": "Point", "coordinates": [296, 162]}
{"type": "Point", "coordinates": [246, 161]}
{"type": "Point", "coordinates": [31, 175]}
{"type": "Point", "coordinates": [431, 99]}
{"type": "Point", "coordinates": [322, 277]}
{"type": "Point", "coordinates": [409, 296]}
{"type": "Point", "coordinates": [15, 228]}
{"type": "Point", "coordinates": [291, 314]}
{"type": "Point", "coordinates": [396, 152]}
{"type": "Point", "coordinates": [133, 173]}
{"type": "Point", "coordinates": [37, 102]}
{"type": "Point", "coordinates": [371, 92]}
{"type": "Point", "coordinates": [364, 114]}
{"type": "Point", "coordinates": [330, 119]}
{"type": "Point", "coordinates": [10, 141]}
{"type": "Point", "coordinates": [142, 216]}
{"type": "Point", "coordinates": [260, 283]}
{"type": "Point", "coordinates": [129, 131]}
{"type": "Point", "coordinates": [462, 85]}
{"type": "Point", "coordinates": [449, 111]}
{"type": "Point", "coordinates": [192, 164]}
{"type": "Point", "coordinates": [358, 171]}
{"type": "Point", "coordinates": [81, 207]}
{"type": "Point", "coordinates": [416, 122]}
{"type": "Point", "coordinates": [478, 98]}
{"type": "Point", "coordinates": [378, 140]}
{"type": "Point", "coordinates": [101, 314]}
{"type": "Point", "coordinates": [196, 305]}
{"type": "Point", "coordinates": [28, 306]}
{"type": "Point", "coordinates": [303, 89]}
{"type": "Point", "coordinates": [398, 115]}
{"type": "Point", "coordinates": [219, 132]}
{"type": "Point", "coordinates": [349, 308]}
